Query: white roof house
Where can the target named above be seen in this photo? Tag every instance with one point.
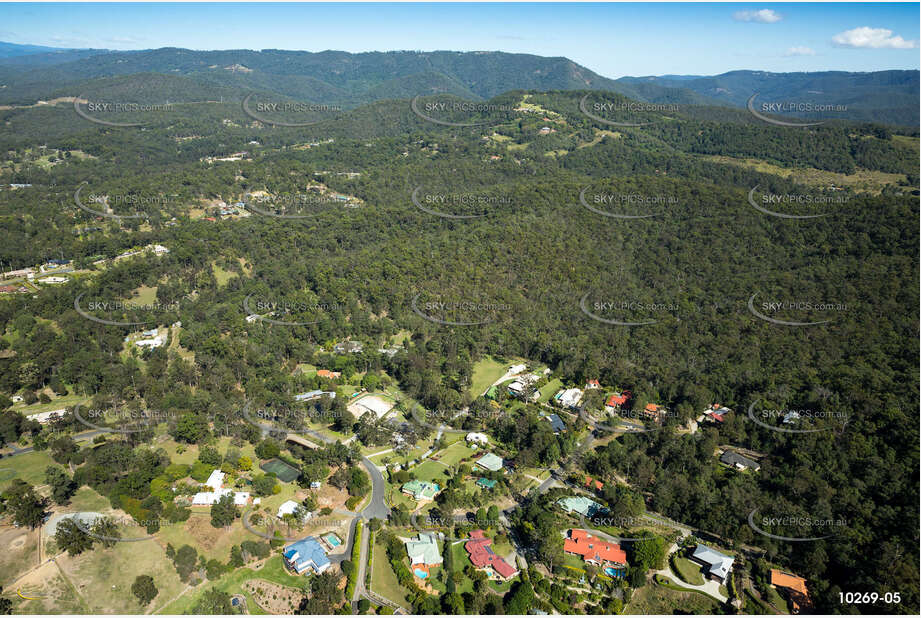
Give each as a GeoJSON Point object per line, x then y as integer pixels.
{"type": "Point", "coordinates": [287, 508]}
{"type": "Point", "coordinates": [570, 397]}
{"type": "Point", "coordinates": [517, 368]}
{"type": "Point", "coordinates": [44, 417]}
{"type": "Point", "coordinates": [216, 480]}
{"type": "Point", "coordinates": [205, 498]}
{"type": "Point", "coordinates": [481, 438]}
{"type": "Point", "coordinates": [156, 342]}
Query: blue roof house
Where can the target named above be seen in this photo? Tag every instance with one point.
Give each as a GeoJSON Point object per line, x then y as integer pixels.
{"type": "Point", "coordinates": [306, 554]}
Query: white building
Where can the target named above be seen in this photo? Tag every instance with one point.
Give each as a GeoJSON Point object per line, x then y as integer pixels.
{"type": "Point", "coordinates": [569, 398]}
{"type": "Point", "coordinates": [156, 342]}
{"type": "Point", "coordinates": [287, 508]}
{"type": "Point", "coordinates": [479, 438]}
{"type": "Point", "coordinates": [216, 480]}
{"type": "Point", "coordinates": [45, 417]}
{"type": "Point", "coordinates": [208, 498]}
{"type": "Point", "coordinates": [517, 368]}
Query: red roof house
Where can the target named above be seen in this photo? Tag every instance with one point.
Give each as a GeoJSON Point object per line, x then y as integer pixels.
{"type": "Point", "coordinates": [618, 399]}
{"type": "Point", "coordinates": [482, 556]}
{"type": "Point", "coordinates": [597, 484]}
{"type": "Point", "coordinates": [592, 549]}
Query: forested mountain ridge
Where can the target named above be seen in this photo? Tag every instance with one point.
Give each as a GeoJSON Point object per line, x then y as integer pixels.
{"type": "Point", "coordinates": [342, 78]}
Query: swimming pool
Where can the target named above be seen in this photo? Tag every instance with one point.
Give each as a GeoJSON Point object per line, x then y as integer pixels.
{"type": "Point", "coordinates": [333, 540]}
{"type": "Point", "coordinates": [420, 573]}
{"type": "Point", "coordinates": [613, 572]}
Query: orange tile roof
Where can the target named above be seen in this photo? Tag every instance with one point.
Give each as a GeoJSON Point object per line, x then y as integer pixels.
{"type": "Point", "coordinates": [598, 484]}
{"type": "Point", "coordinates": [592, 548]}
{"type": "Point", "coordinates": [785, 580]}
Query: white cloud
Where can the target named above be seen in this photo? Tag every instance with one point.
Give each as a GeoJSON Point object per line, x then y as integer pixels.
{"type": "Point", "coordinates": [871, 38]}
{"type": "Point", "coordinates": [764, 16]}
{"type": "Point", "coordinates": [800, 51]}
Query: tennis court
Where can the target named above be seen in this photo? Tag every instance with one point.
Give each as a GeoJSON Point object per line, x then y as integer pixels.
{"type": "Point", "coordinates": [283, 471]}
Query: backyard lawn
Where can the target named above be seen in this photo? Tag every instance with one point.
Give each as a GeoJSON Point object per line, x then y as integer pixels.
{"type": "Point", "coordinates": [29, 467]}
{"type": "Point", "coordinates": [383, 579]}
{"type": "Point", "coordinates": [486, 371]}
{"type": "Point", "coordinates": [687, 570]}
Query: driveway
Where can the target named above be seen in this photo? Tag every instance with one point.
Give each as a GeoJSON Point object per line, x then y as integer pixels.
{"type": "Point", "coordinates": [709, 587]}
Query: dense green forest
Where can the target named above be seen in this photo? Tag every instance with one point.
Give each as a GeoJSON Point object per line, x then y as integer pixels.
{"type": "Point", "coordinates": [506, 280]}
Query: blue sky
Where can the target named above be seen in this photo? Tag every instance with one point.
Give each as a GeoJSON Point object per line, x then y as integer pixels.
{"type": "Point", "coordinates": [611, 39]}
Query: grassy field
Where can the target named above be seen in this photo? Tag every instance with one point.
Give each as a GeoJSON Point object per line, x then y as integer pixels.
{"type": "Point", "coordinates": [655, 599]}
{"type": "Point", "coordinates": [687, 570]}
{"type": "Point", "coordinates": [30, 467]}
{"type": "Point", "coordinates": [103, 577]}
{"type": "Point", "coordinates": [207, 540]}
{"type": "Point", "coordinates": [86, 499]}
{"type": "Point", "coordinates": [56, 403]}
{"type": "Point", "coordinates": [549, 390]}
{"type": "Point", "coordinates": [144, 295]}
{"type": "Point", "coordinates": [222, 276]}
{"type": "Point", "coordinates": [486, 371]}
{"type": "Point", "coordinates": [48, 592]}
{"type": "Point", "coordinates": [454, 453]}
{"type": "Point", "coordinates": [431, 471]}
{"type": "Point", "coordinates": [862, 180]}
{"type": "Point", "coordinates": [383, 579]}
{"type": "Point", "coordinates": [19, 553]}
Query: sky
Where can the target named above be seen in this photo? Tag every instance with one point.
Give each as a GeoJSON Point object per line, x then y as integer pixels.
{"type": "Point", "coordinates": [613, 40]}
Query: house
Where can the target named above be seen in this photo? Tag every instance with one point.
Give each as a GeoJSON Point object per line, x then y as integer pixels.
{"type": "Point", "coordinates": [306, 554]}
{"type": "Point", "coordinates": [287, 508]}
{"type": "Point", "coordinates": [329, 375]}
{"type": "Point", "coordinates": [717, 566]}
{"type": "Point", "coordinates": [483, 557]}
{"type": "Point", "coordinates": [16, 399]}
{"type": "Point", "coordinates": [616, 400]}
{"type": "Point", "coordinates": [594, 484]}
{"type": "Point", "coordinates": [517, 368]}
{"type": "Point", "coordinates": [348, 347]}
{"type": "Point", "coordinates": [716, 413]}
{"type": "Point", "coordinates": [423, 551]}
{"type": "Point", "coordinates": [594, 550]}
{"type": "Point", "coordinates": [252, 317]}
{"type": "Point", "coordinates": [791, 417]}
{"type": "Point", "coordinates": [794, 587]}
{"type": "Point", "coordinates": [556, 423]}
{"type": "Point", "coordinates": [209, 498]}
{"type": "Point", "coordinates": [522, 384]}
{"type": "Point", "coordinates": [13, 289]}
{"type": "Point", "coordinates": [592, 384]}
{"type": "Point", "coordinates": [486, 483]}
{"type": "Point", "coordinates": [569, 398]}
{"type": "Point", "coordinates": [545, 130]}
{"type": "Point", "coordinates": [421, 490]}
{"type": "Point", "coordinates": [581, 505]}
{"type": "Point", "coordinates": [477, 438]}
{"type": "Point", "coordinates": [314, 395]}
{"type": "Point", "coordinates": [52, 280]}
{"type": "Point", "coordinates": [740, 462]}
{"type": "Point", "coordinates": [654, 412]}
{"type": "Point", "coordinates": [22, 272]}
{"type": "Point", "coordinates": [316, 484]}
{"type": "Point", "coordinates": [490, 462]}
{"type": "Point", "coordinates": [216, 480]}
{"type": "Point", "coordinates": [156, 342]}
{"type": "Point", "coordinates": [44, 417]}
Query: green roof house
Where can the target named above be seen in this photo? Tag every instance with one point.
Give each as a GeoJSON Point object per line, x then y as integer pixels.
{"type": "Point", "coordinates": [490, 462]}
{"type": "Point", "coordinates": [485, 483]}
{"type": "Point", "coordinates": [424, 550]}
{"type": "Point", "coordinates": [421, 490]}
{"type": "Point", "coordinates": [581, 505]}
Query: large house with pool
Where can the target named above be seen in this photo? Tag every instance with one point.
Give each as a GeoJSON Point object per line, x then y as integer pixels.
{"type": "Point", "coordinates": [485, 559]}
{"type": "Point", "coordinates": [306, 554]}
{"type": "Point", "coordinates": [593, 550]}
{"type": "Point", "coordinates": [423, 554]}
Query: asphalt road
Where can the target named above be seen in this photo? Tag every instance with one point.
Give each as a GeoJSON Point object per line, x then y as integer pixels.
{"type": "Point", "coordinates": [77, 438]}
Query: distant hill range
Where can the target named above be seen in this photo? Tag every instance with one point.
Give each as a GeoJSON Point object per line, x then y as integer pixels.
{"type": "Point", "coordinates": [30, 73]}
